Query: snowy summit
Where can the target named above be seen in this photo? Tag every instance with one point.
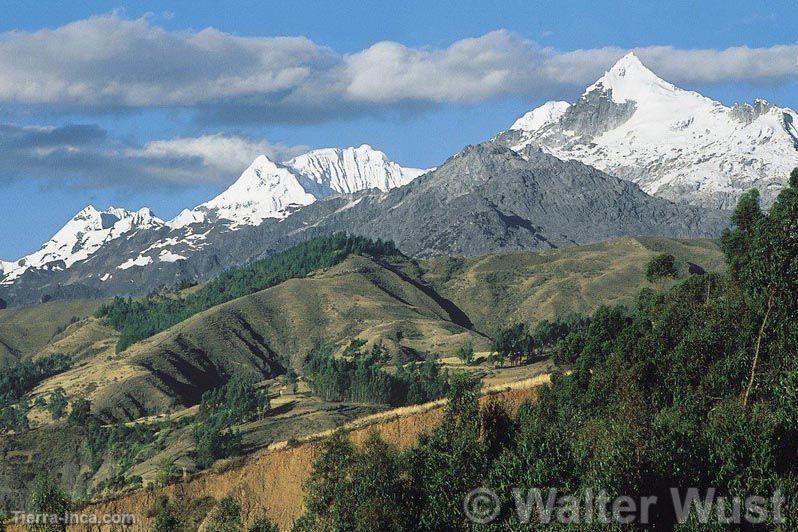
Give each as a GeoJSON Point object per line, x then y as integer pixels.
{"type": "Point", "coordinates": [675, 143]}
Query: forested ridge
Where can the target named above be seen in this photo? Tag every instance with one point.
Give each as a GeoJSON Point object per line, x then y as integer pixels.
{"type": "Point", "coordinates": [137, 319]}
{"type": "Point", "coordinates": [695, 387]}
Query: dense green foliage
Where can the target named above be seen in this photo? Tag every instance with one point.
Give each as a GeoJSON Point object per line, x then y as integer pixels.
{"type": "Point", "coordinates": [20, 379]}
{"type": "Point", "coordinates": [379, 488]}
{"type": "Point", "coordinates": [466, 353]}
{"type": "Point", "coordinates": [80, 414]}
{"type": "Point", "coordinates": [14, 416]}
{"type": "Point", "coordinates": [57, 404]}
{"type": "Point", "coordinates": [48, 499]}
{"type": "Point", "coordinates": [362, 378]}
{"type": "Point", "coordinates": [119, 442]}
{"type": "Point", "coordinates": [694, 387]}
{"type": "Point", "coordinates": [226, 517]}
{"type": "Point", "coordinates": [164, 516]}
{"type": "Point", "coordinates": [661, 267]}
{"type": "Point", "coordinates": [238, 401]}
{"type": "Point", "coordinates": [514, 343]}
{"type": "Point", "coordinates": [137, 319]}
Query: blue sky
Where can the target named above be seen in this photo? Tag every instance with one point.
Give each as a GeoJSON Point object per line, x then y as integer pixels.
{"type": "Point", "coordinates": [128, 104]}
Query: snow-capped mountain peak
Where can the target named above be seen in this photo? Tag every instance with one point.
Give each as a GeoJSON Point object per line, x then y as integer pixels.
{"type": "Point", "coordinates": [81, 237]}
{"type": "Point", "coordinates": [629, 79]}
{"type": "Point", "coordinates": [266, 189]}
{"type": "Point", "coordinates": [351, 169]}
{"type": "Point", "coordinates": [535, 119]}
{"type": "Point", "coordinates": [674, 143]}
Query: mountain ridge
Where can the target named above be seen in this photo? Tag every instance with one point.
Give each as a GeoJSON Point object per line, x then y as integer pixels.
{"type": "Point", "coordinates": [266, 189]}
{"type": "Point", "coordinates": [486, 198]}
{"type": "Point", "coordinates": [674, 143]}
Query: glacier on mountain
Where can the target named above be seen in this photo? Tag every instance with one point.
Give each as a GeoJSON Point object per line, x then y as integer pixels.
{"type": "Point", "coordinates": [674, 143]}
{"type": "Point", "coordinates": [266, 189]}
{"type": "Point", "coordinates": [352, 169]}
{"type": "Point", "coordinates": [81, 237]}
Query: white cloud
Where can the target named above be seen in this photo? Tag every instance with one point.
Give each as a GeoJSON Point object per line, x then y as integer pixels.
{"type": "Point", "coordinates": [110, 63]}
{"type": "Point", "coordinates": [220, 155]}
{"type": "Point", "coordinates": [467, 71]}
{"type": "Point", "coordinates": [85, 155]}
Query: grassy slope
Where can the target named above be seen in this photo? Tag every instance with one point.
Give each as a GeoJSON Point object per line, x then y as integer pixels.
{"type": "Point", "coordinates": [356, 298]}
{"type": "Point", "coordinates": [274, 328]}
{"type": "Point", "coordinates": [526, 287]}
{"type": "Point", "coordinates": [26, 330]}
{"type": "Point", "coordinates": [267, 331]}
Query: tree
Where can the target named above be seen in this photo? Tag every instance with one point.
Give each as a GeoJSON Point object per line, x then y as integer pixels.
{"type": "Point", "coordinates": [15, 416]}
{"type": "Point", "coordinates": [763, 259]}
{"type": "Point", "coordinates": [290, 379]}
{"type": "Point", "coordinates": [514, 343]}
{"type": "Point", "coordinates": [263, 524]}
{"type": "Point", "coordinates": [449, 463]}
{"type": "Point", "coordinates": [323, 487]}
{"type": "Point", "coordinates": [57, 404]}
{"type": "Point", "coordinates": [47, 498]}
{"type": "Point", "coordinates": [226, 517]}
{"type": "Point", "coordinates": [660, 267]}
{"type": "Point", "coordinates": [164, 518]}
{"type": "Point", "coordinates": [80, 413]}
{"type": "Point", "coordinates": [466, 353]}
{"type": "Point", "coordinates": [166, 472]}
{"type": "Point", "coordinates": [213, 442]}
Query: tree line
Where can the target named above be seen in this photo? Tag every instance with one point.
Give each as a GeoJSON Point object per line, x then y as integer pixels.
{"type": "Point", "coordinates": [361, 377]}
{"type": "Point", "coordinates": [137, 319]}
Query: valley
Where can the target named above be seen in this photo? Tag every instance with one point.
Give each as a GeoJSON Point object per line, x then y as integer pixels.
{"type": "Point", "coordinates": [601, 298]}
{"type": "Point", "coordinates": [409, 310]}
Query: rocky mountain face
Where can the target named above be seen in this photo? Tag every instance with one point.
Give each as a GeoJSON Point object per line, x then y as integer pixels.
{"type": "Point", "coordinates": [486, 198]}
{"type": "Point", "coordinates": [268, 189]}
{"type": "Point", "coordinates": [674, 143]}
{"type": "Point", "coordinates": [265, 190]}
{"type": "Point", "coordinates": [489, 198]}
{"type": "Point", "coordinates": [81, 237]}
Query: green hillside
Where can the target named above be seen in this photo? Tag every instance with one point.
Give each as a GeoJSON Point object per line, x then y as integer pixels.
{"type": "Point", "coordinates": [691, 393]}
{"type": "Point", "coordinates": [141, 318]}
{"type": "Point", "coordinates": [411, 310]}
{"type": "Point", "coordinates": [495, 289]}
{"type": "Point", "coordinates": [267, 332]}
{"type": "Point", "coordinates": [26, 330]}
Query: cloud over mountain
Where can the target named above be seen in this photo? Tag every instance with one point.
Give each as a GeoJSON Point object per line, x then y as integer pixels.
{"type": "Point", "coordinates": [87, 156]}
{"type": "Point", "coordinates": [108, 63]}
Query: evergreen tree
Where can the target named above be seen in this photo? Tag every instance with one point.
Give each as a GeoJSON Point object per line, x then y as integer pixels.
{"type": "Point", "coordinates": [164, 518]}
{"type": "Point", "coordinates": [80, 413]}
{"type": "Point", "coordinates": [514, 343]}
{"type": "Point", "coordinates": [58, 404]}
{"type": "Point", "coordinates": [466, 353]}
{"type": "Point", "coordinates": [226, 517]}
{"type": "Point", "coordinates": [48, 499]}
{"type": "Point", "coordinates": [661, 267]}
{"type": "Point", "coordinates": [263, 524]}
